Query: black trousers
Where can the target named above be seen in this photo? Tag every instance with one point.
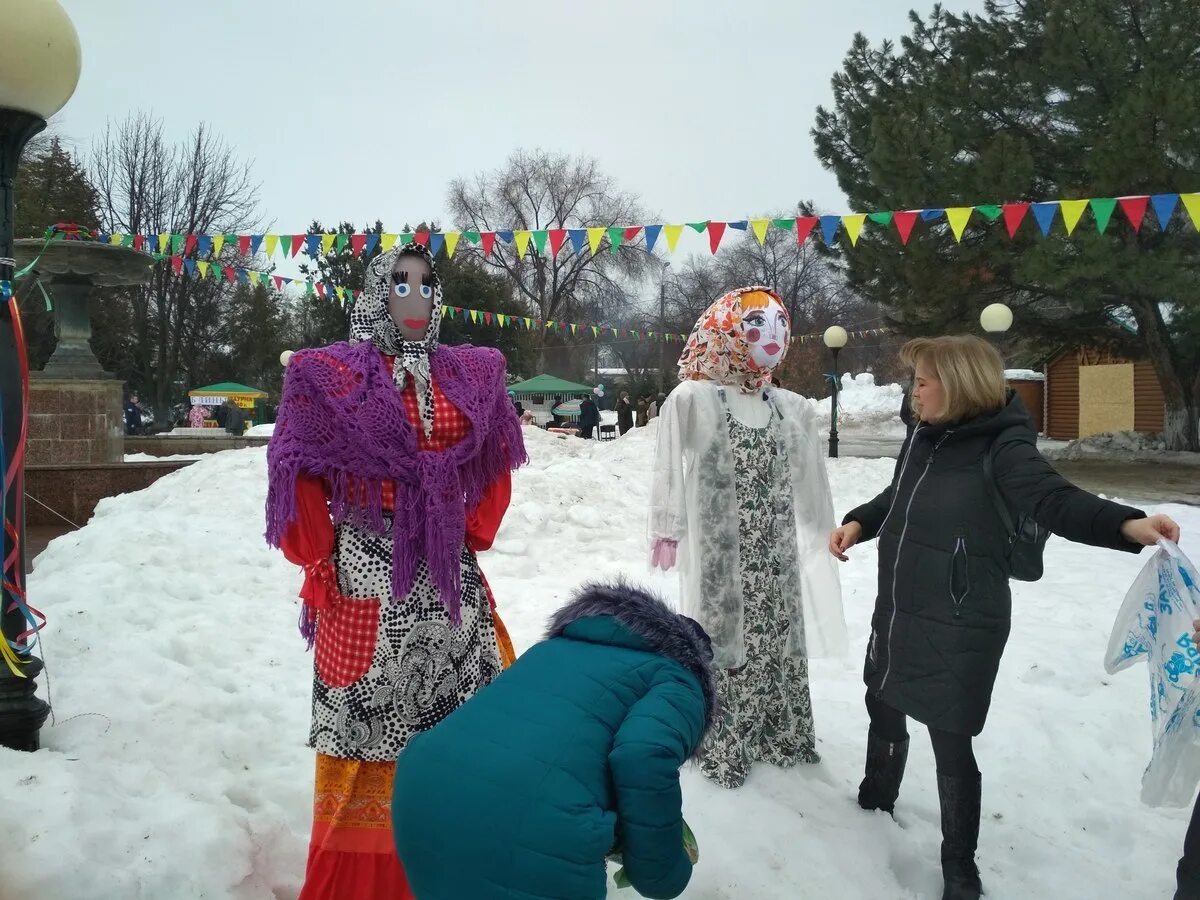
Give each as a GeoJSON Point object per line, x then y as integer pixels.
{"type": "Point", "coordinates": [953, 752]}
{"type": "Point", "coordinates": [1188, 874]}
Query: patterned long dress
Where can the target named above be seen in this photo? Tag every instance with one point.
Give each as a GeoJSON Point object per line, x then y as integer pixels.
{"type": "Point", "coordinates": [766, 708]}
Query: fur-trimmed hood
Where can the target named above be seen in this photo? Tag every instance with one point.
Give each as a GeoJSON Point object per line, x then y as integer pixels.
{"type": "Point", "coordinates": [646, 615]}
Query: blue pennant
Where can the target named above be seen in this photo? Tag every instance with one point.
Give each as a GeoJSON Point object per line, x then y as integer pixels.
{"type": "Point", "coordinates": [204, 246]}
{"type": "Point", "coordinates": [371, 244]}
{"type": "Point", "coordinates": [255, 242]}
{"type": "Point", "coordinates": [829, 228]}
{"type": "Point", "coordinates": [506, 236]}
{"type": "Point", "coordinates": [578, 238]}
{"type": "Point", "coordinates": [652, 232]}
{"type": "Point", "coordinates": [1164, 208]}
{"type": "Point", "coordinates": [928, 215]}
{"type": "Point", "coordinates": [740, 226]}
{"type": "Point", "coordinates": [313, 246]}
{"type": "Point", "coordinates": [1044, 213]}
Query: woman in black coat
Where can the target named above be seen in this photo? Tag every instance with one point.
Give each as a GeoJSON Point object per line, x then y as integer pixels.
{"type": "Point", "coordinates": [943, 608]}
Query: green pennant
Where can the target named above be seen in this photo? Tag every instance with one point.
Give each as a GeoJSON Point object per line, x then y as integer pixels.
{"type": "Point", "coordinates": [341, 242]}
{"type": "Point", "coordinates": [880, 218]}
{"type": "Point", "coordinates": [990, 211]}
{"type": "Point", "coordinates": [406, 237]}
{"type": "Point", "coordinates": [785, 224]}
{"type": "Point", "coordinates": [539, 241]}
{"type": "Point", "coordinates": [615, 236]}
{"type": "Point", "coordinates": [309, 288]}
{"type": "Point", "coordinates": [698, 227]}
{"type": "Point", "coordinates": [231, 240]}
{"type": "Point", "coordinates": [127, 240]}
{"type": "Point", "coordinates": [472, 236]}
{"type": "Point", "coordinates": [1102, 210]}
{"type": "Point", "coordinates": [176, 244]}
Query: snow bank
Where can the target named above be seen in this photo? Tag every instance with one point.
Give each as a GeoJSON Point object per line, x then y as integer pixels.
{"type": "Point", "coordinates": [178, 769]}
{"type": "Point", "coordinates": [865, 407]}
{"type": "Point", "coordinates": [1114, 445]}
{"type": "Point", "coordinates": [260, 431]}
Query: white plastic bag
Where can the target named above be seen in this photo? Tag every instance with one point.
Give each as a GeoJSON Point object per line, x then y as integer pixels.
{"type": "Point", "coordinates": [1155, 621]}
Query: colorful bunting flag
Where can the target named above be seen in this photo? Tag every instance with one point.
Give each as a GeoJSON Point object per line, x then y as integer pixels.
{"type": "Point", "coordinates": [451, 243]}
{"type": "Point", "coordinates": [715, 231]}
{"type": "Point", "coordinates": [272, 244]}
{"type": "Point", "coordinates": [785, 224]}
{"type": "Point", "coordinates": [539, 241]}
{"type": "Point", "coordinates": [1134, 209]}
{"type": "Point", "coordinates": [387, 242]}
{"type": "Point", "coordinates": [558, 237]}
{"type": "Point", "coordinates": [298, 241]}
{"type": "Point", "coordinates": [854, 227]}
{"type": "Point", "coordinates": [1072, 212]}
{"type": "Point", "coordinates": [436, 241]}
{"type": "Point", "coordinates": [595, 236]}
{"type": "Point", "coordinates": [326, 243]}
{"type": "Point", "coordinates": [506, 236]}
{"type": "Point", "coordinates": [958, 217]}
{"type": "Point", "coordinates": [1044, 213]}
{"type": "Point", "coordinates": [759, 226]}
{"type": "Point", "coordinates": [1014, 215]}
{"type": "Point", "coordinates": [904, 221]}
{"type": "Point", "coordinates": [631, 233]}
{"type": "Point", "coordinates": [578, 238]}
{"type": "Point", "coordinates": [698, 227]}
{"type": "Point", "coordinates": [1191, 202]}
{"type": "Point", "coordinates": [990, 211]}
{"type": "Point", "coordinates": [880, 218]}
{"type": "Point", "coordinates": [673, 233]}
{"type": "Point", "coordinates": [1102, 210]}
{"type": "Point", "coordinates": [372, 243]}
{"type": "Point", "coordinates": [1164, 208]}
{"type": "Point", "coordinates": [652, 232]}
{"type": "Point", "coordinates": [521, 239]}
{"type": "Point", "coordinates": [804, 226]}
{"type": "Point", "coordinates": [488, 240]}
{"type": "Point", "coordinates": [615, 237]}
{"type": "Point", "coordinates": [829, 228]}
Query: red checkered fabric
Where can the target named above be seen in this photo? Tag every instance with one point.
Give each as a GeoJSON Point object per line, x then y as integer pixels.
{"type": "Point", "coordinates": [449, 425]}
{"type": "Point", "coordinates": [346, 635]}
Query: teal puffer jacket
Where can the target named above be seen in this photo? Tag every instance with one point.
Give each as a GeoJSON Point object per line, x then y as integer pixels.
{"type": "Point", "coordinates": [522, 792]}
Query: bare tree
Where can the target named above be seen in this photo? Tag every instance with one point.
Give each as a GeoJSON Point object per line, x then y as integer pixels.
{"type": "Point", "coordinates": [536, 191]}
{"type": "Point", "coordinates": [148, 186]}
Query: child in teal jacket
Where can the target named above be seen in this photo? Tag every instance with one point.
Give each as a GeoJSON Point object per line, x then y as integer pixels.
{"type": "Point", "coordinates": [521, 792]}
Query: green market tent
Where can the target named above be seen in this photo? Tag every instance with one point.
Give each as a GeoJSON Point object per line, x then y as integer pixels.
{"type": "Point", "coordinates": [548, 384]}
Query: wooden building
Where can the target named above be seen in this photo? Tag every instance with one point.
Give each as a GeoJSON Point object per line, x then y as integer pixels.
{"type": "Point", "coordinates": [1092, 391]}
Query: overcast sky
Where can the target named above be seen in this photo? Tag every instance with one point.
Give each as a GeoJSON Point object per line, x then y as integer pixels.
{"type": "Point", "coordinates": [703, 107]}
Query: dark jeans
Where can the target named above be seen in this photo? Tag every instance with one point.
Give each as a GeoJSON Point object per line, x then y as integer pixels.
{"type": "Point", "coordinates": [953, 752]}
{"type": "Point", "coordinates": [1188, 874]}
{"type": "Point", "coordinates": [586, 432]}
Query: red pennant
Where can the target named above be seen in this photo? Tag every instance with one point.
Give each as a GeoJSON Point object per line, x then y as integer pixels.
{"type": "Point", "coordinates": [1014, 215]}
{"type": "Point", "coordinates": [904, 221]}
{"type": "Point", "coordinates": [557, 237]}
{"type": "Point", "coordinates": [139, 241]}
{"type": "Point", "coordinates": [488, 239]}
{"type": "Point", "coordinates": [230, 274]}
{"type": "Point", "coordinates": [297, 243]}
{"type": "Point", "coordinates": [804, 227]}
{"type": "Point", "coordinates": [632, 233]}
{"type": "Point", "coordinates": [487, 318]}
{"type": "Point", "coordinates": [421, 238]}
{"type": "Point", "coordinates": [357, 243]}
{"type": "Point", "coordinates": [278, 282]}
{"type": "Point", "coordinates": [189, 245]}
{"type": "Point", "coordinates": [244, 244]}
{"type": "Point", "coordinates": [1135, 210]}
{"type": "Point", "coordinates": [321, 289]}
{"type": "Point", "coordinates": [177, 264]}
{"type": "Point", "coordinates": [715, 231]}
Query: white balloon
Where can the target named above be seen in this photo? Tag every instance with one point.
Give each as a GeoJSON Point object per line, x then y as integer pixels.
{"type": "Point", "coordinates": [285, 357]}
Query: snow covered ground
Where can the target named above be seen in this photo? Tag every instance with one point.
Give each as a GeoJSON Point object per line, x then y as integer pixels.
{"type": "Point", "coordinates": [864, 407]}
{"type": "Point", "coordinates": [177, 768]}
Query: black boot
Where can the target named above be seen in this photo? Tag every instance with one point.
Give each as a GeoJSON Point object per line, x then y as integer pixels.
{"type": "Point", "coordinates": [960, 836]}
{"type": "Point", "coordinates": [885, 769]}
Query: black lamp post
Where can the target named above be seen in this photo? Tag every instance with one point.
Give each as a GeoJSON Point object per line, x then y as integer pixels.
{"type": "Point", "coordinates": [835, 339]}
{"type": "Point", "coordinates": [39, 69]}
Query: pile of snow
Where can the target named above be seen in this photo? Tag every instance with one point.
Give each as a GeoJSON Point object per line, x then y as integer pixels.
{"type": "Point", "coordinates": [1023, 375]}
{"type": "Point", "coordinates": [261, 431]}
{"type": "Point", "coordinates": [178, 768]}
{"type": "Point", "coordinates": [865, 407]}
{"type": "Point", "coordinates": [1111, 444]}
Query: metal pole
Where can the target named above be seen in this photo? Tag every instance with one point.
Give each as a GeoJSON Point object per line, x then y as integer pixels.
{"type": "Point", "coordinates": [833, 408]}
{"type": "Point", "coordinates": [21, 712]}
{"type": "Point", "coordinates": [662, 346]}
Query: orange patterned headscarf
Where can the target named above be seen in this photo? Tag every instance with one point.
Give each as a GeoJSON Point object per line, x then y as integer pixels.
{"type": "Point", "coordinates": [718, 350]}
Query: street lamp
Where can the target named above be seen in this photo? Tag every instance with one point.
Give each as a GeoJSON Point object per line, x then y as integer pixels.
{"type": "Point", "coordinates": [39, 69]}
{"type": "Point", "coordinates": [835, 339]}
{"type": "Point", "coordinates": [996, 319]}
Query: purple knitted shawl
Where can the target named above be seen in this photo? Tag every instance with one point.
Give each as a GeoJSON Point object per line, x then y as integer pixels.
{"type": "Point", "coordinates": [342, 419]}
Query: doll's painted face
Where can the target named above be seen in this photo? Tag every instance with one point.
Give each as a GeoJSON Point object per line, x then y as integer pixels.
{"type": "Point", "coordinates": [410, 296]}
{"type": "Point", "coordinates": [766, 327]}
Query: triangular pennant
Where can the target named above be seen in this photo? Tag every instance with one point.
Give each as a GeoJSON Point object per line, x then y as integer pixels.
{"type": "Point", "coordinates": [1135, 210]}
{"type": "Point", "coordinates": [343, 239]}
{"type": "Point", "coordinates": [298, 241]}
{"type": "Point", "coordinates": [243, 244]}
{"type": "Point", "coordinates": [387, 241]}
{"type": "Point", "coordinates": [558, 237]}
{"type": "Point", "coordinates": [785, 224]}
{"type": "Point", "coordinates": [190, 265]}
{"type": "Point", "coordinates": [595, 331]}
{"type": "Point", "coordinates": [522, 241]}
{"type": "Point", "coordinates": [804, 226]}
{"type": "Point", "coordinates": [698, 227]}
{"type": "Point", "coordinates": [1044, 213]}
{"type": "Point", "coordinates": [202, 265]}
{"type": "Point", "coordinates": [164, 241]}
{"type": "Point", "coordinates": [615, 237]}
{"type": "Point", "coordinates": [406, 238]}
{"type": "Point", "coordinates": [472, 237]}
{"type": "Point", "coordinates": [539, 241]}
{"type": "Point", "coordinates": [421, 238]}
{"type": "Point", "coordinates": [357, 243]}
{"type": "Point", "coordinates": [1191, 202]}
{"type": "Point", "coordinates": [632, 232]}
{"type": "Point", "coordinates": [1164, 208]}
{"type": "Point", "coordinates": [574, 328]}
{"type": "Point", "coordinates": [451, 243]}
{"type": "Point", "coordinates": [272, 244]}
{"type": "Point", "coordinates": [437, 240]}
{"type": "Point", "coordinates": [1102, 210]}
{"type": "Point", "coordinates": [929, 215]}
{"type": "Point", "coordinates": [278, 279]}
{"type": "Point", "coordinates": [673, 233]}
{"type": "Point", "coordinates": [203, 246]}
{"type": "Point", "coordinates": [189, 244]}
{"type": "Point", "coordinates": [321, 289]}
{"type": "Point", "coordinates": [715, 231]}
{"type": "Point", "coordinates": [990, 211]}
{"type": "Point", "coordinates": [739, 225]}
{"type": "Point", "coordinates": [256, 243]}
{"type": "Point", "coordinates": [242, 276]}
{"type": "Point", "coordinates": [760, 229]}
{"type": "Point", "coordinates": [488, 239]}
{"type": "Point", "coordinates": [958, 217]}
{"type": "Point", "coordinates": [880, 218]}
{"type": "Point", "coordinates": [595, 236]}
{"type": "Point", "coordinates": [578, 239]}
{"type": "Point", "coordinates": [176, 261]}
{"type": "Point", "coordinates": [1072, 211]}
{"type": "Point", "coordinates": [487, 318]}
{"type": "Point", "coordinates": [372, 243]}
{"type": "Point", "coordinates": [506, 236]}
{"type": "Point", "coordinates": [176, 244]}
{"type": "Point", "coordinates": [854, 226]}
{"type": "Point", "coordinates": [652, 232]}
{"type": "Point", "coordinates": [312, 245]}
{"type": "Point", "coordinates": [218, 244]}
{"type": "Point", "coordinates": [139, 241]}
{"type": "Point", "coordinates": [327, 241]}
{"type": "Point", "coordinates": [829, 228]}
{"type": "Point", "coordinates": [904, 220]}
{"type": "Point", "coordinates": [1014, 215]}
{"type": "Point", "coordinates": [230, 274]}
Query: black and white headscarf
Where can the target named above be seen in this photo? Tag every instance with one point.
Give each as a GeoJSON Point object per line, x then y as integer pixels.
{"type": "Point", "coordinates": [370, 320]}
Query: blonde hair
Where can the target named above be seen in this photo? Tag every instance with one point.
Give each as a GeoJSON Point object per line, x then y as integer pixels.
{"type": "Point", "coordinates": [970, 369]}
{"type": "Point", "coordinates": [757, 299]}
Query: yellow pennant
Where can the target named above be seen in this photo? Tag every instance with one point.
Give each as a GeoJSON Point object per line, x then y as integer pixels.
{"type": "Point", "coordinates": [854, 227]}
{"type": "Point", "coordinates": [218, 243]}
{"type": "Point", "coordinates": [387, 242]}
{"type": "Point", "coordinates": [475, 316]}
{"type": "Point", "coordinates": [595, 236]}
{"type": "Point", "coordinates": [958, 216]}
{"type": "Point", "coordinates": [272, 244]}
{"type": "Point", "coordinates": [1072, 212]}
{"type": "Point", "coordinates": [115, 240]}
{"type": "Point", "coordinates": [1191, 202]}
{"type": "Point", "coordinates": [327, 242]}
{"type": "Point", "coordinates": [760, 229]}
{"type": "Point", "coordinates": [203, 267]}
{"type": "Point", "coordinates": [673, 232]}
{"type": "Point", "coordinates": [452, 243]}
{"type": "Point", "coordinates": [164, 241]}
{"type": "Point", "coordinates": [522, 240]}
